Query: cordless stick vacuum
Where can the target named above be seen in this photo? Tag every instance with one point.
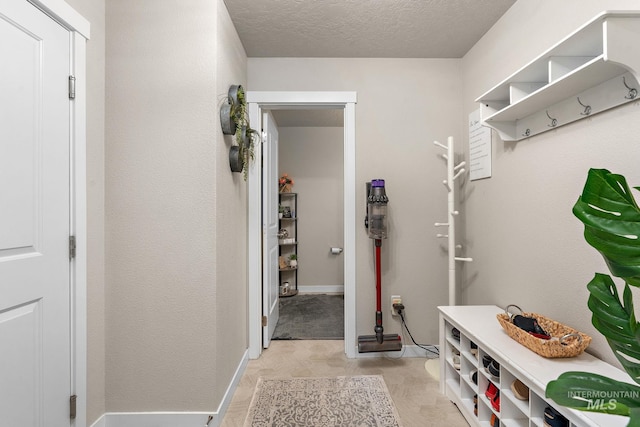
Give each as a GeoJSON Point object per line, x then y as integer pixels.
{"type": "Point", "coordinates": [376, 223]}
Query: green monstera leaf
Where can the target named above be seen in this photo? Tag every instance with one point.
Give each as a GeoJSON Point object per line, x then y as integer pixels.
{"type": "Point", "coordinates": [595, 393]}
{"type": "Point", "coordinates": [612, 226]}
{"type": "Point", "coordinates": [611, 220]}
{"type": "Point", "coordinates": [616, 321]}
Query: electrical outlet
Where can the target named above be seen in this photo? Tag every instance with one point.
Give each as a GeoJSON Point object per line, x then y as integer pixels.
{"type": "Point", "coordinates": [395, 299]}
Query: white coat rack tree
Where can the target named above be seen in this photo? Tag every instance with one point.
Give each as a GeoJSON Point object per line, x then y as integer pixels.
{"type": "Point", "coordinates": [453, 173]}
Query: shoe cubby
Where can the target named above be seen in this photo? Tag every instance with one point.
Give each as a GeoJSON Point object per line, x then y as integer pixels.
{"type": "Point", "coordinates": [466, 395]}
{"type": "Point", "coordinates": [515, 412]}
{"type": "Point", "coordinates": [537, 406]}
{"type": "Point", "coordinates": [480, 333]}
{"type": "Point", "coordinates": [451, 345]}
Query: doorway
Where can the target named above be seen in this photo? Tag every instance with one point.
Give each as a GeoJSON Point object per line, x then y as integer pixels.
{"type": "Point", "coordinates": [43, 228]}
{"type": "Point", "coordinates": [311, 155]}
{"type": "Point", "coordinates": [345, 102]}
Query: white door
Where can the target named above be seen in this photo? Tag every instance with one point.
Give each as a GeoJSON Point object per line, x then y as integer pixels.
{"type": "Point", "coordinates": [270, 225]}
{"type": "Point", "coordinates": [35, 361]}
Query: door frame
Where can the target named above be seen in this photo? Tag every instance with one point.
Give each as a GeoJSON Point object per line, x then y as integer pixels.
{"type": "Point", "coordinates": [271, 224]}
{"type": "Point", "coordinates": [280, 100]}
{"type": "Point", "coordinates": [79, 29]}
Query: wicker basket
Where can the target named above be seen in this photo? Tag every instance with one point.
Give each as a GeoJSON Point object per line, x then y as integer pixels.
{"type": "Point", "coordinates": [564, 342]}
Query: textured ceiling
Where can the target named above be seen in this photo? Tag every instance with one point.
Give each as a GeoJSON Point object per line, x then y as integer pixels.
{"type": "Point", "coordinates": [359, 29]}
{"type": "Point", "coordinates": [363, 28]}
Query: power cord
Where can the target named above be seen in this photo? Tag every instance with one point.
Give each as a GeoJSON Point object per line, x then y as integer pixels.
{"type": "Point", "coordinates": [399, 308]}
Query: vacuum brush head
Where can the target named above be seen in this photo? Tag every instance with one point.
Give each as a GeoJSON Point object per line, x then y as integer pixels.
{"type": "Point", "coordinates": [370, 344]}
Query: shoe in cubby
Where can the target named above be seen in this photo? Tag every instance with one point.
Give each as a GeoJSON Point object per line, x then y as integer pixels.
{"type": "Point", "coordinates": [486, 360]}
{"type": "Point", "coordinates": [495, 402]}
{"type": "Point", "coordinates": [520, 390]}
{"type": "Point", "coordinates": [456, 361]}
{"type": "Point", "coordinates": [491, 391]}
{"type": "Point", "coordinates": [494, 370]}
{"type": "Point", "coordinates": [474, 376]}
{"type": "Point", "coordinates": [553, 418]}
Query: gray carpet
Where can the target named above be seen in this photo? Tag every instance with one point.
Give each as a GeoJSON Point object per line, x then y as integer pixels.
{"type": "Point", "coordinates": [311, 317]}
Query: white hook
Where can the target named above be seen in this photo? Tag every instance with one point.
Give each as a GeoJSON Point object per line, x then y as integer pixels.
{"type": "Point", "coordinates": [441, 224]}
{"type": "Point", "coordinates": [460, 172]}
{"type": "Point", "coordinates": [461, 164]}
{"type": "Point", "coordinates": [464, 259]}
{"type": "Point", "coordinates": [455, 213]}
{"type": "Point", "coordinates": [440, 145]}
{"type": "Point", "coordinates": [444, 156]}
{"type": "Point", "coordinates": [446, 184]}
{"type": "Point", "coordinates": [441, 236]}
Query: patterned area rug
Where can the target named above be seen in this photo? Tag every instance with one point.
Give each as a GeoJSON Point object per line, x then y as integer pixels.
{"type": "Point", "coordinates": [357, 401]}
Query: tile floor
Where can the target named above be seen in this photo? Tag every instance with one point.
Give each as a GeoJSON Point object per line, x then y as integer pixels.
{"type": "Point", "coordinates": [414, 392]}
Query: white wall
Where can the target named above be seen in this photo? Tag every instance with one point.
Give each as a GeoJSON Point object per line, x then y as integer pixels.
{"type": "Point", "coordinates": [231, 218]}
{"type": "Point", "coordinates": [313, 157]}
{"type": "Point", "coordinates": [176, 239]}
{"type": "Point", "coordinates": [402, 106]}
{"type": "Point", "coordinates": [527, 245]}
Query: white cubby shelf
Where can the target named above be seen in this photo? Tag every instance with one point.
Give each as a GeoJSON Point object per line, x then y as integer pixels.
{"type": "Point", "coordinates": [595, 68]}
{"type": "Point", "coordinates": [478, 324]}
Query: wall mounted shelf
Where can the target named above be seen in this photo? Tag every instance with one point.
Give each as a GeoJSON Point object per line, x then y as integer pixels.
{"type": "Point", "coordinates": [595, 68]}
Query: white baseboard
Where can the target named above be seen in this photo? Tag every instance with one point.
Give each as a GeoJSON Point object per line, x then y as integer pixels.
{"type": "Point", "coordinates": [329, 289]}
{"type": "Point", "coordinates": [176, 419]}
{"type": "Point", "coordinates": [100, 422]}
{"type": "Point", "coordinates": [415, 351]}
{"type": "Point", "coordinates": [231, 389]}
{"type": "Point", "coordinates": [157, 419]}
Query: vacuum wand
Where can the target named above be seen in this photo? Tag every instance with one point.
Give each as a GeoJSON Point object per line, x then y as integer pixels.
{"type": "Point", "coordinates": [379, 330]}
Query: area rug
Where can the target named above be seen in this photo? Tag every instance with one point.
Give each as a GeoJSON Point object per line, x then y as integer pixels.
{"type": "Point", "coordinates": [355, 401]}
{"type": "Point", "coordinates": [310, 317]}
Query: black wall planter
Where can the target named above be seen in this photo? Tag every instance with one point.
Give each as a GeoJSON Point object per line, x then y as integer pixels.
{"type": "Point", "coordinates": [228, 124]}
{"type": "Point", "coordinates": [226, 121]}
{"type": "Point", "coordinates": [236, 159]}
{"type": "Point", "coordinates": [226, 117]}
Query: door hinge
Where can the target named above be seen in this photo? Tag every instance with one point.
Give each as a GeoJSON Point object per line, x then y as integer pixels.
{"type": "Point", "coordinates": [72, 406]}
{"type": "Point", "coordinates": [264, 320]}
{"type": "Point", "coordinates": [72, 87]}
{"type": "Point", "coordinates": [72, 247]}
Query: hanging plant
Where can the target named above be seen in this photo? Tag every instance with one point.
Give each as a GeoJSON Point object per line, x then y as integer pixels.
{"type": "Point", "coordinates": [240, 155]}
